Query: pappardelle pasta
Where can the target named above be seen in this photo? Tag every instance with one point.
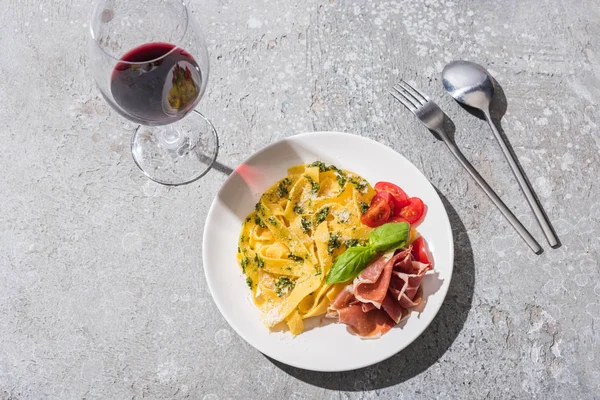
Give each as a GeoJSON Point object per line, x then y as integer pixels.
{"type": "Point", "coordinates": [289, 242]}
{"type": "Point", "coordinates": [323, 241]}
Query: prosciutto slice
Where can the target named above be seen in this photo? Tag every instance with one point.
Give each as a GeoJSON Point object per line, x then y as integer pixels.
{"type": "Point", "coordinates": [370, 325]}
{"type": "Point", "coordinates": [343, 300]}
{"type": "Point", "coordinates": [363, 319]}
{"type": "Point", "coordinates": [366, 307]}
{"type": "Point", "coordinates": [372, 284]}
{"type": "Point", "coordinates": [381, 295]}
{"type": "Point", "coordinates": [404, 285]}
{"type": "Point", "coordinates": [394, 309]}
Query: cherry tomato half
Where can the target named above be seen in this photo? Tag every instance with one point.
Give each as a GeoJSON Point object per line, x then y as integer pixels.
{"type": "Point", "coordinates": [382, 206]}
{"type": "Point", "coordinates": [400, 198]}
{"type": "Point", "coordinates": [413, 211]}
{"type": "Point", "coordinates": [419, 250]}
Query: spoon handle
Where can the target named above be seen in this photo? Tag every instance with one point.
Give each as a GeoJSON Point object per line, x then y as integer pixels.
{"type": "Point", "coordinates": [510, 217]}
{"type": "Point", "coordinates": [525, 187]}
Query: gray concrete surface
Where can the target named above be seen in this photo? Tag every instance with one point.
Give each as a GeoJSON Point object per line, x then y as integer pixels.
{"type": "Point", "coordinates": [102, 292]}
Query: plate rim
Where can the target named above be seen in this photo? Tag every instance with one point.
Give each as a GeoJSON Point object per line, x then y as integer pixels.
{"type": "Point", "coordinates": [443, 290]}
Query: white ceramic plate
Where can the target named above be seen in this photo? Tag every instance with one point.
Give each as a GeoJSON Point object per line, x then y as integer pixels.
{"type": "Point", "coordinates": [327, 346]}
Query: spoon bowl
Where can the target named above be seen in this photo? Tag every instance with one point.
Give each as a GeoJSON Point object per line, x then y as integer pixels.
{"type": "Point", "coordinates": [469, 83]}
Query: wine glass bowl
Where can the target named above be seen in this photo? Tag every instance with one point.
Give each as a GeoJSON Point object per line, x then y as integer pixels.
{"type": "Point", "coordinates": [150, 62]}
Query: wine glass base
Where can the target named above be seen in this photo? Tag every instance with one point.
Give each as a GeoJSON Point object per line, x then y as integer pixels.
{"type": "Point", "coordinates": [178, 153]}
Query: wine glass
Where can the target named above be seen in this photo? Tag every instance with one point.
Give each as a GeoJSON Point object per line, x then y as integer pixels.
{"type": "Point", "coordinates": [150, 62]}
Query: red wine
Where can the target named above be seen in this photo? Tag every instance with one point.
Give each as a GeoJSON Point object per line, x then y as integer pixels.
{"type": "Point", "coordinates": [155, 91]}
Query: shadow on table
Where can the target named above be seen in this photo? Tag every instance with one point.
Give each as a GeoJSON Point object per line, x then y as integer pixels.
{"type": "Point", "coordinates": [222, 168]}
{"type": "Point", "coordinates": [427, 348]}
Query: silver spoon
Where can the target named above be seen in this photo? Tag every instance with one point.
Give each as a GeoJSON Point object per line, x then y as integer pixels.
{"type": "Point", "coordinates": [472, 85]}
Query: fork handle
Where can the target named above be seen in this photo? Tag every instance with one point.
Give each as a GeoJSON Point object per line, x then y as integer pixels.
{"type": "Point", "coordinates": [521, 230]}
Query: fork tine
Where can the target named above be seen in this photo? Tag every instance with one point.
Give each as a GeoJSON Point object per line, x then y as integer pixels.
{"type": "Point", "coordinates": [407, 96]}
{"type": "Point", "coordinates": [412, 93]}
{"type": "Point", "coordinates": [418, 95]}
{"type": "Point", "coordinates": [404, 100]}
{"type": "Point", "coordinates": [407, 93]}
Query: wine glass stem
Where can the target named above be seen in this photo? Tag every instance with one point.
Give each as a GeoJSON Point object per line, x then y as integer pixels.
{"type": "Point", "coordinates": [172, 140]}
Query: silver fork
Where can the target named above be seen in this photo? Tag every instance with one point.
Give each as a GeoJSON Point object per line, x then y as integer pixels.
{"type": "Point", "coordinates": [432, 116]}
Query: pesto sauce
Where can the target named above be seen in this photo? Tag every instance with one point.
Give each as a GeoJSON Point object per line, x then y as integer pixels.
{"type": "Point", "coordinates": [259, 208]}
{"type": "Point", "coordinates": [259, 222]}
{"type": "Point", "coordinates": [283, 187]}
{"type": "Point", "coordinates": [284, 285]}
{"type": "Point", "coordinates": [334, 242]}
{"type": "Point", "coordinates": [341, 179]}
{"type": "Point", "coordinates": [295, 258]}
{"type": "Point", "coordinates": [305, 225]}
{"type": "Point", "coordinates": [298, 210]}
{"type": "Point", "coordinates": [314, 186]}
{"type": "Point", "coordinates": [322, 166]}
{"type": "Point", "coordinates": [244, 264]}
{"type": "Point", "coordinates": [260, 263]}
{"type": "Point", "coordinates": [273, 221]}
{"type": "Point", "coordinates": [363, 207]}
{"type": "Point", "coordinates": [351, 243]}
{"type": "Point", "coordinates": [358, 183]}
{"type": "Point", "coordinates": [321, 215]}
{"type": "Point", "coordinates": [249, 282]}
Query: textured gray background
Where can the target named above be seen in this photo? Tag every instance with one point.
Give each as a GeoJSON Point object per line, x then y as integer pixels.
{"type": "Point", "coordinates": [102, 292]}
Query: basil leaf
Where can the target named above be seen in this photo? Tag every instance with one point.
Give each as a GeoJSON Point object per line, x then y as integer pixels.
{"type": "Point", "coordinates": [349, 264]}
{"type": "Point", "coordinates": [390, 236]}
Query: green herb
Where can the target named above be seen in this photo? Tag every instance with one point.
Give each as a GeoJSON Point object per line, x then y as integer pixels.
{"type": "Point", "coordinates": [322, 166]}
{"type": "Point", "coordinates": [341, 178]}
{"type": "Point", "coordinates": [319, 272]}
{"type": "Point", "coordinates": [333, 243]}
{"type": "Point", "coordinates": [305, 225]}
{"type": "Point", "coordinates": [244, 264]}
{"type": "Point", "coordinates": [288, 268]}
{"type": "Point", "coordinates": [283, 187]}
{"type": "Point", "coordinates": [298, 210]}
{"type": "Point", "coordinates": [348, 265]}
{"type": "Point", "coordinates": [273, 221]}
{"type": "Point", "coordinates": [249, 282]}
{"type": "Point", "coordinates": [259, 208]}
{"type": "Point", "coordinates": [358, 183]}
{"type": "Point", "coordinates": [259, 222]}
{"type": "Point", "coordinates": [321, 215]}
{"type": "Point", "coordinates": [259, 261]}
{"type": "Point", "coordinates": [351, 242]}
{"type": "Point", "coordinates": [363, 207]}
{"type": "Point", "coordinates": [284, 285]}
{"type": "Point", "coordinates": [239, 250]}
{"type": "Point", "coordinates": [295, 257]}
{"type": "Point", "coordinates": [389, 236]}
{"type": "Point", "coordinates": [248, 219]}
{"type": "Point", "coordinates": [314, 186]}
{"type": "Point", "coordinates": [385, 238]}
